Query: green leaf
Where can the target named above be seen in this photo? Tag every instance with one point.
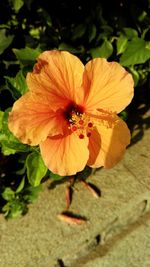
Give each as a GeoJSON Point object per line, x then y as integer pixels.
{"type": "Point", "coordinates": [56, 176]}
{"type": "Point", "coordinates": [136, 53]}
{"type": "Point", "coordinates": [31, 193]}
{"type": "Point", "coordinates": [91, 32]}
{"type": "Point", "coordinates": [130, 33]}
{"type": "Point", "coordinates": [121, 44]}
{"type": "Point", "coordinates": [36, 168]}
{"type": "Point", "coordinates": [79, 31]}
{"type": "Point", "coordinates": [8, 194]}
{"type": "Point", "coordinates": [27, 55]}
{"type": "Point", "coordinates": [13, 209]}
{"type": "Point", "coordinates": [9, 143]}
{"type": "Point", "coordinates": [21, 185]}
{"type": "Point", "coordinates": [1, 119]}
{"type": "Point", "coordinates": [105, 50]}
{"type": "Point", "coordinates": [17, 4]}
{"type": "Point", "coordinates": [69, 48]}
{"type": "Point", "coordinates": [17, 85]}
{"type": "Point", "coordinates": [135, 75]}
{"type": "Point", "coordinates": [5, 40]}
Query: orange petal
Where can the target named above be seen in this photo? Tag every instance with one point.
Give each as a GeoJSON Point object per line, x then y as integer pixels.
{"type": "Point", "coordinates": [94, 147]}
{"type": "Point", "coordinates": [58, 75]}
{"type": "Point", "coordinates": [32, 120]}
{"type": "Point", "coordinates": [108, 85]}
{"type": "Point", "coordinates": [114, 141]}
{"type": "Point", "coordinates": [65, 155]}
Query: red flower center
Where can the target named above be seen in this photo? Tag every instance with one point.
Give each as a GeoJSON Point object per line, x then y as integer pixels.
{"type": "Point", "coordinates": [79, 122]}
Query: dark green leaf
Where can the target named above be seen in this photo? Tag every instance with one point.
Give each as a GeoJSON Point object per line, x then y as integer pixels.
{"type": "Point", "coordinates": [5, 40]}
{"type": "Point", "coordinates": [79, 31]}
{"type": "Point", "coordinates": [69, 48]}
{"type": "Point", "coordinates": [36, 168]}
{"type": "Point", "coordinates": [104, 51]}
{"type": "Point", "coordinates": [136, 53]}
{"type": "Point", "coordinates": [91, 32]}
{"type": "Point", "coordinates": [135, 75]}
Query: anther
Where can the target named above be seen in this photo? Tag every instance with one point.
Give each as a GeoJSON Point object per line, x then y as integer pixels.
{"type": "Point", "coordinates": [81, 136]}
{"type": "Point", "coordinates": [88, 134]}
{"type": "Point", "coordinates": [90, 124]}
{"type": "Point", "coordinates": [74, 128]}
{"type": "Point", "coordinates": [81, 122]}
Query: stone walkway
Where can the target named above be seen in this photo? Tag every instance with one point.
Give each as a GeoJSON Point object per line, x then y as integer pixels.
{"type": "Point", "coordinates": [117, 231]}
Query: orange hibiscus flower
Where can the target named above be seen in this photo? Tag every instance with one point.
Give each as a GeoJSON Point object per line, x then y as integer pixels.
{"type": "Point", "coordinates": [70, 111]}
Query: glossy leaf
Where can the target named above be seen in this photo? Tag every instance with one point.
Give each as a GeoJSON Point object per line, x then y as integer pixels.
{"type": "Point", "coordinates": [121, 44]}
{"type": "Point", "coordinates": [36, 168]}
{"type": "Point", "coordinates": [27, 55]}
{"type": "Point", "coordinates": [136, 53]}
{"type": "Point", "coordinates": [17, 85]}
{"type": "Point", "coordinates": [105, 50]}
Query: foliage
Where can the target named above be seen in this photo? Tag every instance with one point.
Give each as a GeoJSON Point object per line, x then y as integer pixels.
{"type": "Point", "coordinates": [27, 27]}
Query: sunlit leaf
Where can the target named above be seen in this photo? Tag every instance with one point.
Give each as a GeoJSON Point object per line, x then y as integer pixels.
{"type": "Point", "coordinates": [27, 56]}
{"type": "Point", "coordinates": [17, 4]}
{"type": "Point", "coordinates": [8, 194]}
{"type": "Point", "coordinates": [121, 44]}
{"type": "Point", "coordinates": [8, 142]}
{"type": "Point", "coordinates": [105, 50]}
{"type": "Point", "coordinates": [17, 85]}
{"type": "Point", "coordinates": [136, 53]}
{"type": "Point", "coordinates": [36, 168]}
{"type": "Point", "coordinates": [21, 185]}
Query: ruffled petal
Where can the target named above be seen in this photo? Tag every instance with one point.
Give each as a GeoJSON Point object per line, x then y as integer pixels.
{"type": "Point", "coordinates": [107, 85]}
{"type": "Point", "coordinates": [114, 141]}
{"type": "Point", "coordinates": [32, 120]}
{"type": "Point", "coordinates": [65, 155]}
{"type": "Point", "coordinates": [57, 75]}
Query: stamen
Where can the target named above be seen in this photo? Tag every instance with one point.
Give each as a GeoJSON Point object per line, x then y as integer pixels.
{"type": "Point", "coordinates": [90, 124]}
{"type": "Point", "coordinates": [88, 134]}
{"type": "Point", "coordinates": [84, 123]}
{"type": "Point", "coordinates": [81, 122]}
{"type": "Point", "coordinates": [74, 128]}
{"type": "Point", "coordinates": [81, 136]}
